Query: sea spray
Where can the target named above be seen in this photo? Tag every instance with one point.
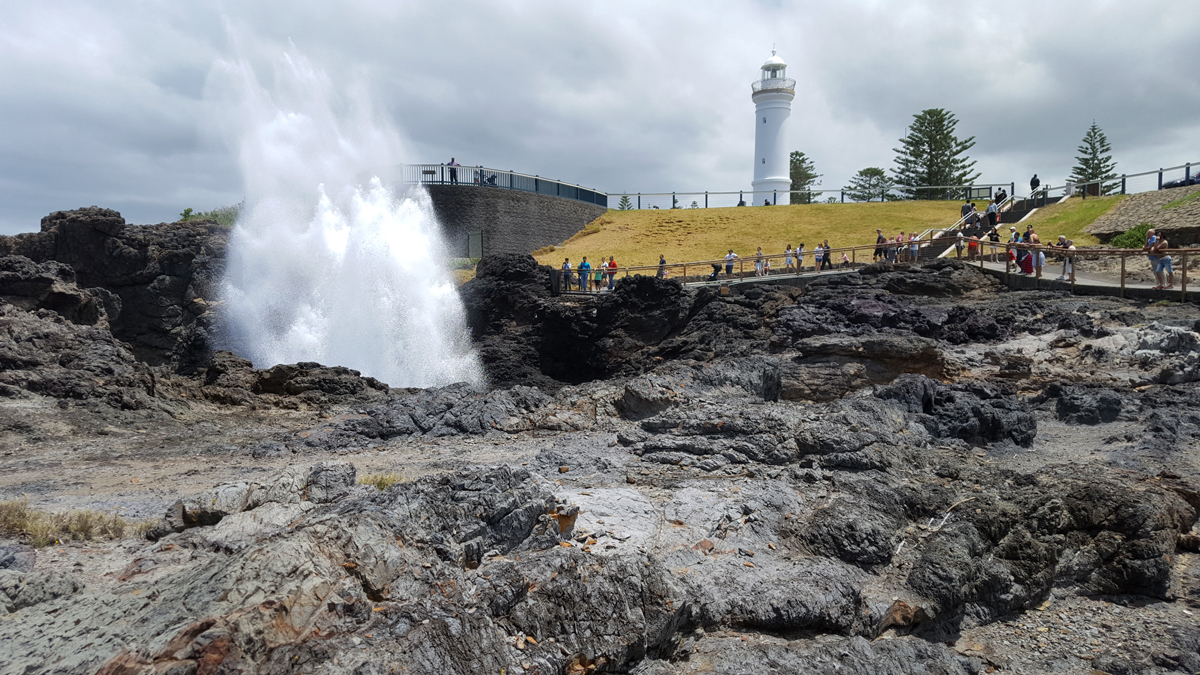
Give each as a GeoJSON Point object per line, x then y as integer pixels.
{"type": "Point", "coordinates": [326, 262]}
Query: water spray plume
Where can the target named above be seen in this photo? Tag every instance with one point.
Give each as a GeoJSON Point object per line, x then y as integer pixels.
{"type": "Point", "coordinates": [326, 262]}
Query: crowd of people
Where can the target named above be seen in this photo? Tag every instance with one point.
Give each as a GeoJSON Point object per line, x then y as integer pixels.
{"type": "Point", "coordinates": [976, 230]}
{"type": "Point", "coordinates": [589, 278]}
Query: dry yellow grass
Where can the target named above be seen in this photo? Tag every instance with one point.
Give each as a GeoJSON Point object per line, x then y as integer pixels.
{"type": "Point", "coordinates": [381, 481]}
{"type": "Point", "coordinates": [637, 237]}
{"type": "Point", "coordinates": [19, 519]}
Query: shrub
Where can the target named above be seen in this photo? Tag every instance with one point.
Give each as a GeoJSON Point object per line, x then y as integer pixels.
{"type": "Point", "coordinates": [225, 216]}
{"type": "Point", "coordinates": [1134, 237]}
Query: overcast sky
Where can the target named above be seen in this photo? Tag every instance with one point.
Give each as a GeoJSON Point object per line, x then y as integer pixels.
{"type": "Point", "coordinates": [105, 102]}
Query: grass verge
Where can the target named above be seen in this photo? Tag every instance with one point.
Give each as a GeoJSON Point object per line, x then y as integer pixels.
{"type": "Point", "coordinates": [381, 481]}
{"type": "Point", "coordinates": [1183, 201]}
{"type": "Point", "coordinates": [637, 237]}
{"type": "Point", "coordinates": [19, 520]}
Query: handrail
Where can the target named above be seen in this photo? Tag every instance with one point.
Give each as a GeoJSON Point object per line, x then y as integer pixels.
{"type": "Point", "coordinates": [672, 270]}
{"type": "Point", "coordinates": [480, 176]}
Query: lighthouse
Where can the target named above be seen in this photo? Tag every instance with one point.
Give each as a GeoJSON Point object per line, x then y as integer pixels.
{"type": "Point", "coordinates": [772, 96]}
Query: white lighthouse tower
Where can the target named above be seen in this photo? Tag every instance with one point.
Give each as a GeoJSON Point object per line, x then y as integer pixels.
{"type": "Point", "coordinates": [772, 96]}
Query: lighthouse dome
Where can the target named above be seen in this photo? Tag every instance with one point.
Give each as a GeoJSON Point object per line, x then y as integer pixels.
{"type": "Point", "coordinates": [774, 63]}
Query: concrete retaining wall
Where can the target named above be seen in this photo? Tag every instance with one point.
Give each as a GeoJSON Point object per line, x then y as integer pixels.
{"type": "Point", "coordinates": [511, 221]}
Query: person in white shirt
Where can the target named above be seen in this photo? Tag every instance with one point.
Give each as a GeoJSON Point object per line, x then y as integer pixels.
{"type": "Point", "coordinates": [729, 263]}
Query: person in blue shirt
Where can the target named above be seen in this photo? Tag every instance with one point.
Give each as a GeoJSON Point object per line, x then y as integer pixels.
{"type": "Point", "coordinates": [585, 269]}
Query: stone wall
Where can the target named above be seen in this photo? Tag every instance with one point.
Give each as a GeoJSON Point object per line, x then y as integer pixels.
{"type": "Point", "coordinates": [1181, 223]}
{"type": "Point", "coordinates": [511, 221]}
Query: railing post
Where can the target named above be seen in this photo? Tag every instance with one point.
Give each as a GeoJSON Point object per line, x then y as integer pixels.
{"type": "Point", "coordinates": [843, 196]}
{"type": "Point", "coordinates": [1160, 178]}
{"type": "Point", "coordinates": [1183, 279]}
{"type": "Point", "coordinates": [741, 269]}
{"type": "Point", "coordinates": [706, 199]}
{"type": "Point", "coordinates": [1008, 265]}
{"type": "Point", "coordinates": [1122, 273]}
{"type": "Point", "coordinates": [1122, 183]}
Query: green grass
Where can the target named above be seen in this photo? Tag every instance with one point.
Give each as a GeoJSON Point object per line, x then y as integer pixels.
{"type": "Point", "coordinates": [1188, 199]}
{"type": "Point", "coordinates": [18, 519]}
{"type": "Point", "coordinates": [637, 237]}
{"type": "Point", "coordinates": [225, 216]}
{"type": "Point", "coordinates": [381, 481]}
{"type": "Point", "coordinates": [1070, 217]}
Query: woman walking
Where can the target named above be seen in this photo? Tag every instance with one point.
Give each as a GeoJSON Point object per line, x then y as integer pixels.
{"type": "Point", "coordinates": [914, 246]}
{"type": "Point", "coordinates": [788, 266]}
{"type": "Point", "coordinates": [800, 258]}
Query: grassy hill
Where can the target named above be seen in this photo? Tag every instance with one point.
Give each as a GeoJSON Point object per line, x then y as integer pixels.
{"type": "Point", "coordinates": [637, 237]}
{"type": "Point", "coordinates": [1070, 217]}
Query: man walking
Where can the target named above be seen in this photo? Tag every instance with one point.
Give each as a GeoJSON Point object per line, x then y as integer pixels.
{"type": "Point", "coordinates": [453, 171]}
{"type": "Point", "coordinates": [1034, 183]}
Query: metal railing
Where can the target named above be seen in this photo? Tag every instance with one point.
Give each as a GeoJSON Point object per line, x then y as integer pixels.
{"type": "Point", "coordinates": [442, 174]}
{"type": "Point", "coordinates": [817, 262]}
{"type": "Point", "coordinates": [773, 84]}
{"type": "Point", "coordinates": [726, 198]}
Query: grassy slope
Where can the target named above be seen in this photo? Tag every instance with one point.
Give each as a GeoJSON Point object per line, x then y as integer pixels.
{"type": "Point", "coordinates": [637, 237]}
{"type": "Point", "coordinates": [1070, 217]}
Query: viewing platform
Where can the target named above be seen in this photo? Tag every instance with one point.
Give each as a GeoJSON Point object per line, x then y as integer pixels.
{"type": "Point", "coordinates": [478, 176]}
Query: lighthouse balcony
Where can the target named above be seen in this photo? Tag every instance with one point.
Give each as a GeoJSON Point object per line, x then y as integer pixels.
{"type": "Point", "coordinates": [774, 84]}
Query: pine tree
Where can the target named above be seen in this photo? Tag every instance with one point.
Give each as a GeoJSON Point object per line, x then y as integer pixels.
{"type": "Point", "coordinates": [1095, 162]}
{"type": "Point", "coordinates": [625, 204]}
{"type": "Point", "coordinates": [869, 184]}
{"type": "Point", "coordinates": [932, 155]}
{"type": "Point", "coordinates": [803, 175]}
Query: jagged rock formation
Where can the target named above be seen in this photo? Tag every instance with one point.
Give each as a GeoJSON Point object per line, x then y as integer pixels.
{"type": "Point", "coordinates": [870, 475]}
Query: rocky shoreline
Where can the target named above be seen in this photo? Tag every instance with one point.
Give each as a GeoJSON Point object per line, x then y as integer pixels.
{"type": "Point", "coordinates": [910, 469]}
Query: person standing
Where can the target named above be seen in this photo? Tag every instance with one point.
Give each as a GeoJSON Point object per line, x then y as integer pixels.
{"type": "Point", "coordinates": [993, 242]}
{"type": "Point", "coordinates": [1164, 264]}
{"type": "Point", "coordinates": [958, 245]}
{"type": "Point", "coordinates": [1034, 183]}
{"type": "Point", "coordinates": [993, 214]}
{"type": "Point", "coordinates": [800, 258]}
{"type": "Point", "coordinates": [880, 241]}
{"type": "Point", "coordinates": [729, 258]}
{"type": "Point", "coordinates": [826, 264]}
{"type": "Point", "coordinates": [1151, 240]}
{"type": "Point", "coordinates": [598, 281]}
{"type": "Point", "coordinates": [453, 171]}
{"type": "Point", "coordinates": [758, 262]}
{"type": "Point", "coordinates": [965, 210]}
{"type": "Point", "coordinates": [789, 266]}
{"type": "Point", "coordinates": [662, 266]}
{"type": "Point", "coordinates": [914, 246]}
{"type": "Point", "coordinates": [1068, 270]}
{"type": "Point", "coordinates": [566, 272]}
{"type": "Point", "coordinates": [585, 269]}
{"type": "Point", "coordinates": [612, 271]}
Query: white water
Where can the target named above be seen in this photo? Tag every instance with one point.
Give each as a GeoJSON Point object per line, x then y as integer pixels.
{"type": "Point", "coordinates": [326, 263]}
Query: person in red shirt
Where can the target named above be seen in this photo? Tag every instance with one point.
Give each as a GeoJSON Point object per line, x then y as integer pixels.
{"type": "Point", "coordinates": [612, 271]}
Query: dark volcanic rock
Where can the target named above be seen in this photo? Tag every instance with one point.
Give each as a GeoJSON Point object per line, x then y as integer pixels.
{"type": "Point", "coordinates": [165, 276]}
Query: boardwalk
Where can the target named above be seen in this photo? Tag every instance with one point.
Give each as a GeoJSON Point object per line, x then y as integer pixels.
{"type": "Point", "coordinates": [1084, 282]}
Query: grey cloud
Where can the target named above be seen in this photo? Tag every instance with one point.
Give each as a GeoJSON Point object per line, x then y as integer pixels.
{"type": "Point", "coordinates": [104, 105]}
